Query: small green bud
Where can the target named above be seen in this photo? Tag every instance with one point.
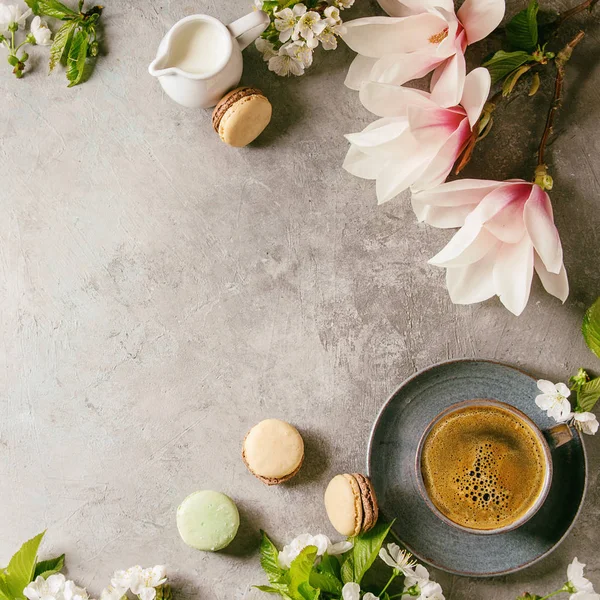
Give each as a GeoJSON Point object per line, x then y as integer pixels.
{"type": "Point", "coordinates": [30, 39]}
{"type": "Point", "coordinates": [13, 27]}
{"type": "Point", "coordinates": [13, 61]}
{"type": "Point", "coordinates": [579, 379]}
{"type": "Point", "coordinates": [18, 73]}
{"type": "Point", "coordinates": [94, 49]}
{"type": "Point", "coordinates": [23, 58]}
{"type": "Point", "coordinates": [542, 178]}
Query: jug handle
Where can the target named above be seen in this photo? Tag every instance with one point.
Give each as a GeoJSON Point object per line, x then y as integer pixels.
{"type": "Point", "coordinates": [246, 29]}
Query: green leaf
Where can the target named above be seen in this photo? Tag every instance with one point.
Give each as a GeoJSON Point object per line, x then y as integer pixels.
{"type": "Point", "coordinates": [21, 567]}
{"type": "Point", "coordinates": [56, 9]}
{"type": "Point", "coordinates": [298, 576]}
{"type": "Point", "coordinates": [522, 30]}
{"type": "Point", "coordinates": [331, 565]}
{"type": "Point", "coordinates": [45, 568]}
{"type": "Point", "coordinates": [276, 588]}
{"type": "Point", "coordinates": [347, 571]}
{"type": "Point", "coordinates": [326, 582]}
{"type": "Point", "coordinates": [59, 45]}
{"type": "Point", "coordinates": [503, 63]}
{"type": "Point", "coordinates": [34, 6]}
{"type": "Point", "coordinates": [269, 559]}
{"type": "Point", "coordinates": [76, 59]}
{"type": "Point", "coordinates": [588, 395]}
{"type": "Point", "coordinates": [366, 548]}
{"type": "Point", "coordinates": [591, 327]}
{"type": "Point", "coordinates": [4, 593]}
{"type": "Point", "coordinates": [512, 79]}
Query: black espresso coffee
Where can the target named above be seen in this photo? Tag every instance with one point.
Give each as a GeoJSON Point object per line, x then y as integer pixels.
{"type": "Point", "coordinates": [483, 467]}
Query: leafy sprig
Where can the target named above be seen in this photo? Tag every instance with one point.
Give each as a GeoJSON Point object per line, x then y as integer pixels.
{"type": "Point", "coordinates": [76, 42]}
{"type": "Point", "coordinates": [24, 567]}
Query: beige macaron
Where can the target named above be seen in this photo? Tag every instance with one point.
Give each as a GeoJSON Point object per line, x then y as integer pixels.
{"type": "Point", "coordinates": [241, 116]}
{"type": "Point", "coordinates": [273, 451]}
{"type": "Point", "coordinates": [351, 504]}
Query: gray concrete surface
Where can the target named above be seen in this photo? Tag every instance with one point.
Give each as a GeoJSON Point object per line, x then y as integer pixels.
{"type": "Point", "coordinates": [161, 292]}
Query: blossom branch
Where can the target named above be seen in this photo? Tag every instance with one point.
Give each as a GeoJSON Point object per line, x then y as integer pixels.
{"type": "Point", "coordinates": [567, 14]}
{"type": "Point", "coordinates": [542, 177]}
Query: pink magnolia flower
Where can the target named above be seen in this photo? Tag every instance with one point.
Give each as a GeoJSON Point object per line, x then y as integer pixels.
{"type": "Point", "coordinates": [423, 36]}
{"type": "Point", "coordinates": [416, 142]}
{"type": "Point", "coordinates": [506, 232]}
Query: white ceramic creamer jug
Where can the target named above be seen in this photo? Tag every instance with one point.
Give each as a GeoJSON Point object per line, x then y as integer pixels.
{"type": "Point", "coordinates": [200, 59]}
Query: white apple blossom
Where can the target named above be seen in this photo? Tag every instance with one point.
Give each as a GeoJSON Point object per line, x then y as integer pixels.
{"type": "Point", "coordinates": [322, 543]}
{"type": "Point", "coordinates": [343, 3]}
{"type": "Point", "coordinates": [332, 15]}
{"type": "Point", "coordinates": [41, 32]}
{"type": "Point", "coordinates": [398, 559]}
{"type": "Point", "coordinates": [287, 19]}
{"type": "Point", "coordinates": [113, 593]}
{"type": "Point", "coordinates": [300, 51]}
{"type": "Point", "coordinates": [55, 587]}
{"type": "Point", "coordinates": [286, 62]}
{"type": "Point", "coordinates": [351, 591]}
{"type": "Point", "coordinates": [11, 13]}
{"type": "Point", "coordinates": [579, 586]}
{"type": "Point", "coordinates": [309, 26]}
{"type": "Point", "coordinates": [266, 48]}
{"type": "Point", "coordinates": [427, 589]}
{"type": "Point", "coordinates": [553, 400]}
{"type": "Point", "coordinates": [586, 422]}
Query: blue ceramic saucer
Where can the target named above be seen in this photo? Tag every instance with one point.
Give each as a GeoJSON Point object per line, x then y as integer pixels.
{"type": "Point", "coordinates": [391, 459]}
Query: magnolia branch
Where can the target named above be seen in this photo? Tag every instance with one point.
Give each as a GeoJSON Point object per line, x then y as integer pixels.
{"type": "Point", "coordinates": [561, 60]}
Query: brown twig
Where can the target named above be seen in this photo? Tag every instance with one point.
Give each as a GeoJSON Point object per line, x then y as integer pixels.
{"type": "Point", "coordinates": [567, 14]}
{"type": "Point", "coordinates": [561, 60]}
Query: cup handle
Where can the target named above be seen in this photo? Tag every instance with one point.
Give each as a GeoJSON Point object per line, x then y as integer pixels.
{"type": "Point", "coordinates": [246, 29]}
{"type": "Point", "coordinates": [558, 435]}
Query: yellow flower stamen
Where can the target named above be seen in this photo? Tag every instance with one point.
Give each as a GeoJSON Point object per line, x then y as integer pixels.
{"type": "Point", "coordinates": [439, 37]}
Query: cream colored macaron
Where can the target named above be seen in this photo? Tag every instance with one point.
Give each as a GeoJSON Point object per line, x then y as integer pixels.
{"type": "Point", "coordinates": [343, 505]}
{"type": "Point", "coordinates": [273, 451]}
{"type": "Point", "coordinates": [241, 116]}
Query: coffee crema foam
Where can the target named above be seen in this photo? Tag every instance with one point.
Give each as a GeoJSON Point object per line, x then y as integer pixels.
{"type": "Point", "coordinates": [483, 467]}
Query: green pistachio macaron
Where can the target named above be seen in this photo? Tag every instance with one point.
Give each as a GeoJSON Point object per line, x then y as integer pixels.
{"type": "Point", "coordinates": [208, 520]}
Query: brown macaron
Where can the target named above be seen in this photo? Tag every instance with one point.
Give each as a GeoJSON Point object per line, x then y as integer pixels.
{"type": "Point", "coordinates": [351, 504]}
{"type": "Point", "coordinates": [369, 501]}
{"type": "Point", "coordinates": [273, 451]}
{"type": "Point", "coordinates": [241, 116]}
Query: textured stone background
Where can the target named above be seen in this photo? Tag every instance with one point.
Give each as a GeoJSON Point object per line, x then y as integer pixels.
{"type": "Point", "coordinates": [161, 292]}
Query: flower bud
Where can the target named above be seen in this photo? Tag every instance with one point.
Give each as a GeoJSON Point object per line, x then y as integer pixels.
{"type": "Point", "coordinates": [13, 27]}
{"type": "Point", "coordinates": [30, 39]}
{"type": "Point", "coordinates": [23, 58]}
{"type": "Point", "coordinates": [94, 49]}
{"type": "Point", "coordinates": [13, 61]}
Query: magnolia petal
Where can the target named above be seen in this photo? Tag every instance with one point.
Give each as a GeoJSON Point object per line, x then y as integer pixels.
{"type": "Point", "coordinates": [362, 165]}
{"type": "Point", "coordinates": [497, 201]}
{"type": "Point", "coordinates": [475, 93]}
{"type": "Point", "coordinates": [378, 36]}
{"type": "Point", "coordinates": [385, 100]}
{"type": "Point", "coordinates": [433, 126]}
{"type": "Point", "coordinates": [441, 165]}
{"type": "Point", "coordinates": [480, 17]}
{"type": "Point", "coordinates": [556, 284]}
{"type": "Point", "coordinates": [448, 80]}
{"type": "Point", "coordinates": [513, 272]}
{"type": "Point", "coordinates": [395, 8]}
{"type": "Point", "coordinates": [539, 221]}
{"type": "Point", "coordinates": [442, 217]}
{"type": "Point", "coordinates": [469, 244]}
{"type": "Point", "coordinates": [359, 71]}
{"type": "Point", "coordinates": [472, 283]}
{"type": "Point", "coordinates": [507, 225]}
{"type": "Point", "coordinates": [397, 69]}
{"type": "Point", "coordinates": [455, 193]}
{"type": "Point", "coordinates": [379, 133]}
{"type": "Point", "coordinates": [400, 176]}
